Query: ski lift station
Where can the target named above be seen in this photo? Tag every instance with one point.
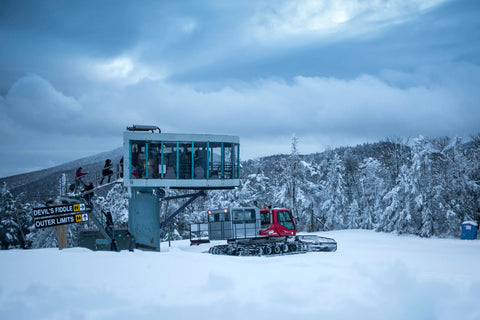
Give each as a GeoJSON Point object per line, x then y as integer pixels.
{"type": "Point", "coordinates": [185, 161]}
{"type": "Point", "coordinates": [154, 161]}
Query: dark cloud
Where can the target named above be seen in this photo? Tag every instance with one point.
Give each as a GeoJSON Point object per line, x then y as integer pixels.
{"type": "Point", "coordinates": [441, 35]}
{"type": "Point", "coordinates": [34, 103]}
{"type": "Point", "coordinates": [75, 74]}
{"type": "Point", "coordinates": [44, 37]}
{"type": "Point", "coordinates": [321, 111]}
{"type": "Point", "coordinates": [100, 27]}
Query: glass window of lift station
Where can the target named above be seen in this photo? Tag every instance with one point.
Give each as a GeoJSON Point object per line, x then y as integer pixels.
{"type": "Point", "coordinates": [138, 157]}
{"type": "Point", "coordinates": [200, 160]}
{"type": "Point", "coordinates": [155, 168]}
{"type": "Point", "coordinates": [184, 160]}
{"type": "Point", "coordinates": [170, 160]}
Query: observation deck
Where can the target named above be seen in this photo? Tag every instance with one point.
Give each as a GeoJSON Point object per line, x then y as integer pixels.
{"type": "Point", "coordinates": [183, 161]}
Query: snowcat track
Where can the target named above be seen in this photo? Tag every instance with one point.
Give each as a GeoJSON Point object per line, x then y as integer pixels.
{"type": "Point", "coordinates": [301, 244]}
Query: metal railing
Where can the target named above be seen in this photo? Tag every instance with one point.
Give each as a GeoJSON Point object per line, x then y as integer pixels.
{"type": "Point", "coordinates": [199, 232]}
{"type": "Point", "coordinates": [101, 226]}
{"type": "Point", "coordinates": [98, 178]}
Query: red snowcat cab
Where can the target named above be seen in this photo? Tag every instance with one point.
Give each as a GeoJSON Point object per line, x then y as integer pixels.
{"type": "Point", "coordinates": [277, 223]}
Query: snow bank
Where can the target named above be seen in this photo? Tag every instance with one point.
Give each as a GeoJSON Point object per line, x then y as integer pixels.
{"type": "Point", "coordinates": [371, 276]}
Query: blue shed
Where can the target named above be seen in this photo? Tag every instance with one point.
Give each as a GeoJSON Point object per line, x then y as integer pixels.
{"type": "Point", "coordinates": [469, 230]}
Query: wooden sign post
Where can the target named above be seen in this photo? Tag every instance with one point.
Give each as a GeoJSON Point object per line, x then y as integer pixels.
{"type": "Point", "coordinates": [61, 237]}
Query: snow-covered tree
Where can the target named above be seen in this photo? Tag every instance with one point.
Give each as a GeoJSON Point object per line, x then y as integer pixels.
{"type": "Point", "coordinates": [423, 187]}
{"type": "Point", "coordinates": [409, 198]}
{"type": "Point", "coordinates": [246, 194]}
{"type": "Point", "coordinates": [294, 164]}
{"type": "Point", "coordinates": [8, 225]}
{"type": "Point", "coordinates": [281, 195]}
{"type": "Point", "coordinates": [352, 216]}
{"type": "Point", "coordinates": [16, 221]}
{"type": "Point", "coordinates": [335, 205]}
{"type": "Point", "coordinates": [258, 191]}
{"type": "Point", "coordinates": [456, 191]}
{"type": "Point", "coordinates": [395, 201]}
{"type": "Point", "coordinates": [25, 223]}
{"type": "Point", "coordinates": [116, 202]}
{"type": "Point", "coordinates": [44, 238]}
{"type": "Point", "coordinates": [62, 185]}
{"type": "Point", "coordinates": [371, 189]}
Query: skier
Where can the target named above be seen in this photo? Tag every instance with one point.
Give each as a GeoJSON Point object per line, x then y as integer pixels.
{"type": "Point", "coordinates": [121, 168]}
{"type": "Point", "coordinates": [113, 245]}
{"type": "Point", "coordinates": [88, 192]}
{"type": "Point", "coordinates": [78, 177]}
{"type": "Point", "coordinates": [109, 223]}
{"type": "Point", "coordinates": [131, 242]}
{"type": "Point", "coordinates": [107, 171]}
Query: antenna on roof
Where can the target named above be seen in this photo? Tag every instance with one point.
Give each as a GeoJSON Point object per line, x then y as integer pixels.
{"type": "Point", "coordinates": [137, 127]}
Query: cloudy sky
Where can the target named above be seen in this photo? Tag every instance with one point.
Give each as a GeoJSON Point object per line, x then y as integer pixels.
{"type": "Point", "coordinates": [75, 74]}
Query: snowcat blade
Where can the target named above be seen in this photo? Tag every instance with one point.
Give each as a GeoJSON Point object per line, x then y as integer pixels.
{"type": "Point", "coordinates": [317, 243]}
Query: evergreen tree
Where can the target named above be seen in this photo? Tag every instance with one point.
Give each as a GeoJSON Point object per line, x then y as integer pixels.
{"type": "Point", "coordinates": [293, 165]}
{"type": "Point", "coordinates": [427, 229]}
{"type": "Point", "coordinates": [281, 195]}
{"type": "Point", "coordinates": [371, 189]}
{"type": "Point", "coordinates": [473, 160]}
{"type": "Point", "coordinates": [44, 238]}
{"type": "Point", "coordinates": [308, 192]}
{"type": "Point", "coordinates": [335, 205]}
{"type": "Point", "coordinates": [259, 191]}
{"type": "Point", "coordinates": [116, 201]}
{"type": "Point", "coordinates": [16, 221]}
{"type": "Point", "coordinates": [459, 203]}
{"type": "Point", "coordinates": [397, 215]}
{"type": "Point", "coordinates": [394, 154]}
{"type": "Point", "coordinates": [245, 193]}
{"type": "Point", "coordinates": [422, 187]}
{"type": "Point", "coordinates": [393, 200]}
{"type": "Point", "coordinates": [8, 225]}
{"type": "Point", "coordinates": [23, 218]}
{"type": "Point", "coordinates": [352, 218]}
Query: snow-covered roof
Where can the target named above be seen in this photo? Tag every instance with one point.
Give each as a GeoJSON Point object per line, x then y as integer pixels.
{"type": "Point", "coordinates": [470, 222]}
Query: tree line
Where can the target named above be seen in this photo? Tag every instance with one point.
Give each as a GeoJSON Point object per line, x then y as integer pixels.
{"type": "Point", "coordinates": [426, 187]}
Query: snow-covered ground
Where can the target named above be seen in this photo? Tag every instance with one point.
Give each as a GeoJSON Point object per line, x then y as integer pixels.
{"type": "Point", "coordinates": [371, 276]}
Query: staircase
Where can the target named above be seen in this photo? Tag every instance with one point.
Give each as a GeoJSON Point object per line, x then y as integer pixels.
{"type": "Point", "coordinates": [80, 195]}
{"type": "Point", "coordinates": [101, 226]}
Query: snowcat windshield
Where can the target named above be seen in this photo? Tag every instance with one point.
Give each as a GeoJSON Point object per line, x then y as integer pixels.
{"type": "Point", "coordinates": [284, 218]}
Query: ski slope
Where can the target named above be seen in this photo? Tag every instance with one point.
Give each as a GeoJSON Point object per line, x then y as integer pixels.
{"type": "Point", "coordinates": [371, 276]}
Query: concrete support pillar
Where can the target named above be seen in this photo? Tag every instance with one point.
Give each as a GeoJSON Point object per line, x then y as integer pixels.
{"type": "Point", "coordinates": [144, 217]}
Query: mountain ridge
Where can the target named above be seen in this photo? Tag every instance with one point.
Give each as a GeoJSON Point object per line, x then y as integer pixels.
{"type": "Point", "coordinates": [34, 184]}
